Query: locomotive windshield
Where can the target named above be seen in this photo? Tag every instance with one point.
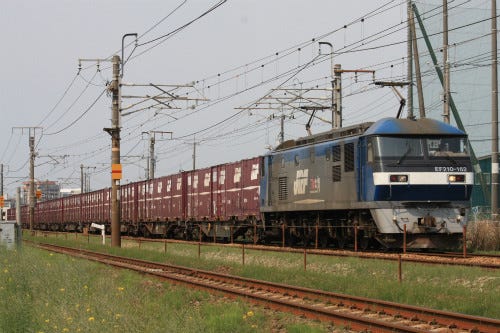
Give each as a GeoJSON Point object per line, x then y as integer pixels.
{"type": "Point", "coordinates": [402, 148]}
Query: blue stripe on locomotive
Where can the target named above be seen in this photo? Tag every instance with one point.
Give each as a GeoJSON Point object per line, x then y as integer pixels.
{"type": "Point", "coordinates": [421, 192]}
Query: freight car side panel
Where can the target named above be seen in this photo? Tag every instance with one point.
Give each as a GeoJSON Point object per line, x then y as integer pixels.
{"type": "Point", "coordinates": [157, 198]}
{"type": "Point", "coordinates": [192, 195]}
{"type": "Point", "coordinates": [127, 202]}
{"type": "Point", "coordinates": [233, 190]}
{"type": "Point", "coordinates": [204, 211]}
{"type": "Point", "coordinates": [250, 187]}
{"type": "Point", "coordinates": [219, 192]}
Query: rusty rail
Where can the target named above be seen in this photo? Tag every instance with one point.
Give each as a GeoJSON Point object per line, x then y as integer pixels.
{"type": "Point", "coordinates": [357, 313]}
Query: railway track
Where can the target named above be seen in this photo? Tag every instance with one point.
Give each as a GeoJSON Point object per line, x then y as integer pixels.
{"type": "Point", "coordinates": [445, 258]}
{"type": "Point", "coordinates": [353, 313]}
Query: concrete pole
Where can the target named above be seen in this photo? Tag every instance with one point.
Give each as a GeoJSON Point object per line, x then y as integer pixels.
{"type": "Point", "coordinates": [194, 155]}
{"type": "Point", "coordinates": [18, 207]}
{"type": "Point", "coordinates": [494, 113]}
{"type": "Point", "coordinates": [282, 127]}
{"type": "Point", "coordinates": [152, 156]}
{"type": "Point", "coordinates": [420, 90]}
{"type": "Point", "coordinates": [81, 178]}
{"type": "Point", "coordinates": [32, 181]}
{"type": "Point", "coordinates": [337, 90]}
{"type": "Point", "coordinates": [409, 74]}
{"type": "Point", "coordinates": [115, 153]}
{"type": "Point", "coordinates": [1, 179]}
{"type": "Point", "coordinates": [446, 65]}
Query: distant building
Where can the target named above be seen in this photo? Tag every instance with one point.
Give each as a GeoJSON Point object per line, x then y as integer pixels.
{"type": "Point", "coordinates": [49, 190]}
{"type": "Point", "coordinates": [66, 192]}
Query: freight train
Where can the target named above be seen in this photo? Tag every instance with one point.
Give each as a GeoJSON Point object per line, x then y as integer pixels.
{"type": "Point", "coordinates": [385, 183]}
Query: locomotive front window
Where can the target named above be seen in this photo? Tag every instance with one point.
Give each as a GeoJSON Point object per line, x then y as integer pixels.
{"type": "Point", "coordinates": [411, 148]}
{"type": "Point", "coordinates": [452, 147]}
{"type": "Point", "coordinates": [396, 147]}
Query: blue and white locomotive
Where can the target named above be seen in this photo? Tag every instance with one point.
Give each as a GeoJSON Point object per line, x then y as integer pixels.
{"type": "Point", "coordinates": [383, 177]}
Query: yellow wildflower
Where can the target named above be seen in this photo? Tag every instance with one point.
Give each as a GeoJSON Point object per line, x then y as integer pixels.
{"type": "Point", "coordinates": [91, 318]}
{"type": "Point", "coordinates": [250, 314]}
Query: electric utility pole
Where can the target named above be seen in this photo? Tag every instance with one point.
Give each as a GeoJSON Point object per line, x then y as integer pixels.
{"type": "Point", "coordinates": [446, 65]}
{"type": "Point", "coordinates": [116, 171]}
{"type": "Point", "coordinates": [31, 196]}
{"type": "Point", "coordinates": [151, 164]}
{"type": "Point", "coordinates": [1, 180]}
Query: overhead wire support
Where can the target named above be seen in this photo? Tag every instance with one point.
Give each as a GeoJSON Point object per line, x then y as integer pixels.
{"type": "Point", "coordinates": [151, 163]}
{"type": "Point", "coordinates": [32, 198]}
{"type": "Point", "coordinates": [114, 132]}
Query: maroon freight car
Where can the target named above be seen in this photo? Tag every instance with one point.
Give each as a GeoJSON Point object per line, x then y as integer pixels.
{"type": "Point", "coordinates": [212, 200]}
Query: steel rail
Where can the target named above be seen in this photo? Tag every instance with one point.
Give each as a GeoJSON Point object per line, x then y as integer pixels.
{"type": "Point", "coordinates": [355, 312]}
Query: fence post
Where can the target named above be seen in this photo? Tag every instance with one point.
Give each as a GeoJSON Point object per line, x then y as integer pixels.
{"type": "Point", "coordinates": [404, 238]}
{"type": "Point", "coordinates": [283, 235]}
{"type": "Point", "coordinates": [199, 250]}
{"type": "Point", "coordinates": [305, 259]}
{"type": "Point", "coordinates": [231, 231]}
{"type": "Point", "coordinates": [243, 253]}
{"type": "Point", "coordinates": [355, 238]}
{"type": "Point", "coordinates": [165, 246]}
{"type": "Point", "coordinates": [400, 273]}
{"type": "Point", "coordinates": [464, 241]}
{"type": "Point", "coordinates": [316, 242]}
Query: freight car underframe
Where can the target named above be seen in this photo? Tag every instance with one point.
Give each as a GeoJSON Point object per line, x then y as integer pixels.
{"type": "Point", "coordinates": [232, 229]}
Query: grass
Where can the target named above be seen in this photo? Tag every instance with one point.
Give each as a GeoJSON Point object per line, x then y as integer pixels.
{"type": "Point", "coordinates": [474, 291]}
{"type": "Point", "coordinates": [46, 292]}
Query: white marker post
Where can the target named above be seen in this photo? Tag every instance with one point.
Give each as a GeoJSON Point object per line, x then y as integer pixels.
{"type": "Point", "coordinates": [103, 231]}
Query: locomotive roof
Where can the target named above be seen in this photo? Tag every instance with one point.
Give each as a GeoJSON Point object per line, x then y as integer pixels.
{"type": "Point", "coordinates": [326, 136]}
{"type": "Point", "coordinates": [424, 126]}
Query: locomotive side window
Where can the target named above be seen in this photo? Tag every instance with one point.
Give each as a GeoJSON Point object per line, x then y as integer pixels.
{"type": "Point", "coordinates": [369, 151]}
{"type": "Point", "coordinates": [336, 153]}
{"type": "Point", "coordinates": [349, 157]}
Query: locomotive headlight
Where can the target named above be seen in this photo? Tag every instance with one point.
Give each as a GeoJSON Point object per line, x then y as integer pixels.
{"type": "Point", "coordinates": [398, 178]}
{"type": "Point", "coordinates": [456, 178]}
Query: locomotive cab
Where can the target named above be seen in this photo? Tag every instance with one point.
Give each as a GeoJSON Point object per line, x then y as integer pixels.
{"type": "Point", "coordinates": [416, 176]}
